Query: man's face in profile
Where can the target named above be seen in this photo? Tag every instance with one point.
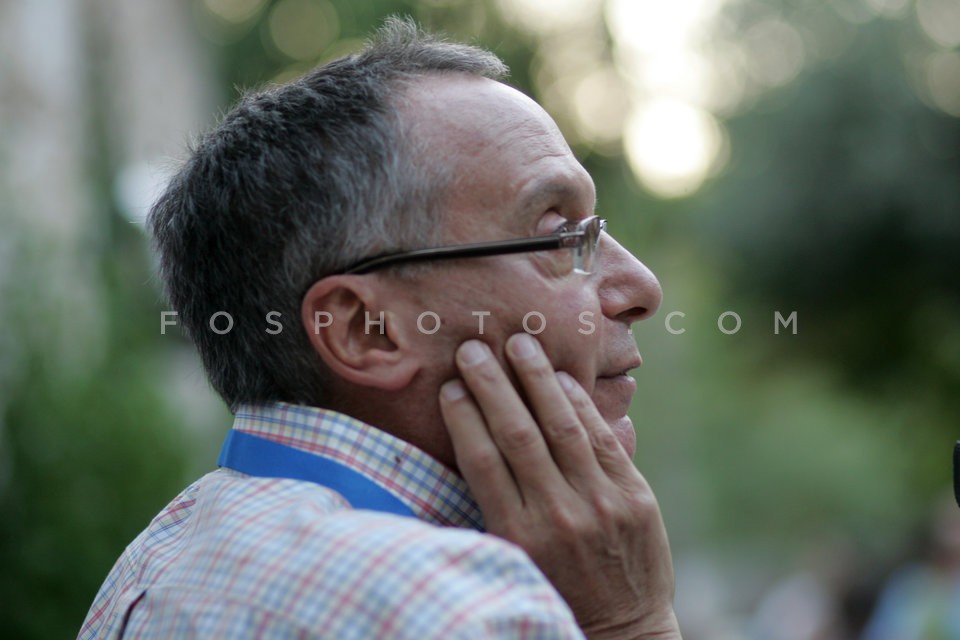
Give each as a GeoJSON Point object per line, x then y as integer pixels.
{"type": "Point", "coordinates": [514, 176]}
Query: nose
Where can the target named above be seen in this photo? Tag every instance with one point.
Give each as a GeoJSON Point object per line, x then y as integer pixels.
{"type": "Point", "coordinates": [629, 292]}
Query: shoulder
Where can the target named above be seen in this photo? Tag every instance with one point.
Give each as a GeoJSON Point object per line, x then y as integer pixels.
{"type": "Point", "coordinates": [444, 583]}
{"type": "Point", "coordinates": [367, 574]}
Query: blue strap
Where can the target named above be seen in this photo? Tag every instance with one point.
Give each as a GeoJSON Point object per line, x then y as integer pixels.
{"type": "Point", "coordinates": [256, 456]}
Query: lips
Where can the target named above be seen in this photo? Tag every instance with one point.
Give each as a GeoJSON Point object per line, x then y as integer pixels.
{"type": "Point", "coordinates": [617, 390]}
{"type": "Point", "coordinates": [614, 388]}
{"type": "Point", "coordinates": [612, 394]}
{"type": "Point", "coordinates": [623, 368]}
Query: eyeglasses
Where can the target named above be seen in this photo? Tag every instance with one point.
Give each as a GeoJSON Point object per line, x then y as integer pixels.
{"type": "Point", "coordinates": [583, 239]}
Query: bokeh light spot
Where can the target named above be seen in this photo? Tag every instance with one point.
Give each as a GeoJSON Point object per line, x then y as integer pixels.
{"type": "Point", "coordinates": [672, 146]}
{"type": "Point", "coordinates": [943, 81]}
{"type": "Point", "coordinates": [302, 29]}
{"type": "Point", "coordinates": [888, 8]}
{"type": "Point", "coordinates": [776, 52]}
{"type": "Point", "coordinates": [601, 105]}
{"type": "Point", "coordinates": [940, 20]}
{"type": "Point", "coordinates": [654, 25]}
{"type": "Point", "coordinates": [544, 16]}
{"type": "Point", "coordinates": [234, 11]}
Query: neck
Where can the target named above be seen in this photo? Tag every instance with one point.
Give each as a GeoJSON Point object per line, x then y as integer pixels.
{"type": "Point", "coordinates": [411, 414]}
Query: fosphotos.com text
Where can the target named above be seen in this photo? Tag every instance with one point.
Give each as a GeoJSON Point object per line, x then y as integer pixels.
{"type": "Point", "coordinates": [534, 322]}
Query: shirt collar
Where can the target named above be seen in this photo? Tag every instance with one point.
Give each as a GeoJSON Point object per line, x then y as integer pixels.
{"type": "Point", "coordinates": [432, 491]}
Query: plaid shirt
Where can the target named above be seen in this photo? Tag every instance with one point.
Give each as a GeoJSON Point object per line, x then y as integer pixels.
{"type": "Point", "coordinates": [237, 556]}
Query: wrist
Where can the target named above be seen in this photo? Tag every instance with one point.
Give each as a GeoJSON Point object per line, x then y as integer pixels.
{"type": "Point", "coordinates": [663, 626]}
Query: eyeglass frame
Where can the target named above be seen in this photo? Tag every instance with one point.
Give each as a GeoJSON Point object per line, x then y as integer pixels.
{"type": "Point", "coordinates": [574, 239]}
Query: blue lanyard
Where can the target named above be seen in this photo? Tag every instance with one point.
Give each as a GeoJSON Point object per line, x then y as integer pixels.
{"type": "Point", "coordinates": [256, 456]}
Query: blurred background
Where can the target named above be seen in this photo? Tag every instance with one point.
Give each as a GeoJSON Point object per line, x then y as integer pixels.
{"type": "Point", "coordinates": [790, 170]}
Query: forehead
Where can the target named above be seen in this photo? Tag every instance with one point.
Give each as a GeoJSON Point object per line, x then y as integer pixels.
{"type": "Point", "coordinates": [506, 158]}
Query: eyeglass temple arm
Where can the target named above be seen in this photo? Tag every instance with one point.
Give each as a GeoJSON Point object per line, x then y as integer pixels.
{"type": "Point", "coordinates": [499, 247]}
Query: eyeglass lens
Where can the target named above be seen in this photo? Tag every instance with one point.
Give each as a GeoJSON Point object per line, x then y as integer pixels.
{"type": "Point", "coordinates": [586, 249]}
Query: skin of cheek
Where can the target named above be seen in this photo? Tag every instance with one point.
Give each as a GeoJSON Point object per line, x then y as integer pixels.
{"type": "Point", "coordinates": [570, 343]}
{"type": "Point", "coordinates": [553, 317]}
{"type": "Point", "coordinates": [469, 304]}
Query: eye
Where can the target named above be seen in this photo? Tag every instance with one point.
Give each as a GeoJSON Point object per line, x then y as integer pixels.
{"type": "Point", "coordinates": [564, 227]}
{"type": "Point", "coordinates": [551, 223]}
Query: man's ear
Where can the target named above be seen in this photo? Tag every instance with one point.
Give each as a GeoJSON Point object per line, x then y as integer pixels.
{"type": "Point", "coordinates": [357, 337]}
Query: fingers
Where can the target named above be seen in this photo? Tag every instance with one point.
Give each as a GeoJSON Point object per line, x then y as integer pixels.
{"type": "Point", "coordinates": [606, 447]}
{"type": "Point", "coordinates": [505, 419]}
{"type": "Point", "coordinates": [478, 458]}
{"type": "Point", "coordinates": [601, 542]}
{"type": "Point", "coordinates": [504, 451]}
{"type": "Point", "coordinates": [560, 424]}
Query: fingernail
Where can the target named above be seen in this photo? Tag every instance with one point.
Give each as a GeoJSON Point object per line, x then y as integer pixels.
{"type": "Point", "coordinates": [472, 352]}
{"type": "Point", "coordinates": [566, 380]}
{"type": "Point", "coordinates": [523, 345]}
{"type": "Point", "coordinates": [452, 391]}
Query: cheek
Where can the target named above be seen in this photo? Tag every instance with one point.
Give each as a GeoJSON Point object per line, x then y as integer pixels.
{"type": "Point", "coordinates": [432, 320]}
{"type": "Point", "coordinates": [565, 319]}
{"type": "Point", "coordinates": [572, 338]}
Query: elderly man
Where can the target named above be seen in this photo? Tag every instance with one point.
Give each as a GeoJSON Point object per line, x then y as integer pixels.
{"type": "Point", "coordinates": [383, 238]}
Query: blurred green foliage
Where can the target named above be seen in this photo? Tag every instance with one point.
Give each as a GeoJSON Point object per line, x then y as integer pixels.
{"type": "Point", "coordinates": [91, 450]}
{"type": "Point", "coordinates": [842, 202]}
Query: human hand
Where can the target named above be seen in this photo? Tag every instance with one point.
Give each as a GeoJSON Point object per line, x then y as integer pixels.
{"type": "Point", "coordinates": [558, 483]}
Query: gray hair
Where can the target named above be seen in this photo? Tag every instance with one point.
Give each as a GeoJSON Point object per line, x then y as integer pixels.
{"type": "Point", "coordinates": [296, 183]}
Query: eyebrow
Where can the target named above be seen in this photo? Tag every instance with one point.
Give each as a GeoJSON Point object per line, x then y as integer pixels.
{"type": "Point", "coordinates": [551, 190]}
